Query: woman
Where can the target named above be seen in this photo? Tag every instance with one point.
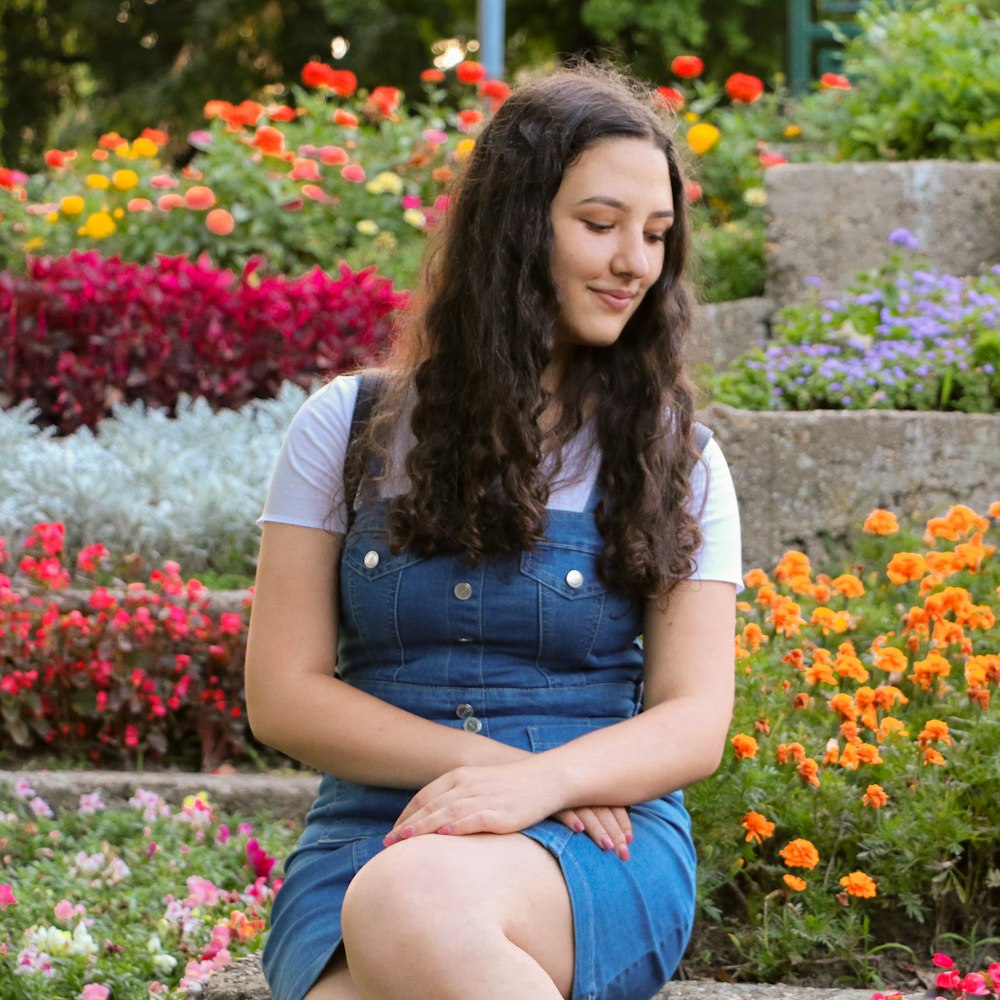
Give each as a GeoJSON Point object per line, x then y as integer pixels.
{"type": "Point", "coordinates": [454, 645]}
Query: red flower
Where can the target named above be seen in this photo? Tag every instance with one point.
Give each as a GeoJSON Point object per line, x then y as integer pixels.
{"type": "Point", "coordinates": [496, 90]}
{"type": "Point", "coordinates": [743, 88]}
{"type": "Point", "coordinates": [693, 191]}
{"type": "Point", "coordinates": [469, 118]}
{"type": "Point", "coordinates": [768, 159]}
{"type": "Point", "coordinates": [317, 74]}
{"type": "Point", "coordinates": [687, 67]}
{"type": "Point", "coordinates": [58, 158]}
{"type": "Point", "coordinates": [432, 76]}
{"type": "Point", "coordinates": [470, 72]}
{"type": "Point", "coordinates": [834, 81]}
{"type": "Point", "coordinates": [343, 82]}
{"type": "Point", "coordinates": [382, 102]}
{"type": "Point", "coordinates": [670, 98]}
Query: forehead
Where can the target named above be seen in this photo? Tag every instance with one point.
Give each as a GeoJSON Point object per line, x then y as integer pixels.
{"type": "Point", "coordinates": [617, 168]}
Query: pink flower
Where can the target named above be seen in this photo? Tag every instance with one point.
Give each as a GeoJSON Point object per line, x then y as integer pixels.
{"type": "Point", "coordinates": [7, 897]}
{"type": "Point", "coordinates": [353, 173]}
{"type": "Point", "coordinates": [948, 980]}
{"type": "Point", "coordinates": [94, 991]}
{"type": "Point", "coordinates": [974, 985]}
{"type": "Point", "coordinates": [65, 910]}
{"type": "Point", "coordinates": [259, 859]}
{"type": "Point", "coordinates": [410, 201]}
{"type": "Point", "coordinates": [942, 961]}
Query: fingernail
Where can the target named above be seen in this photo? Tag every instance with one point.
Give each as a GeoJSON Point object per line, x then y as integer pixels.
{"type": "Point", "coordinates": [623, 853]}
{"type": "Point", "coordinates": [389, 839]}
{"type": "Point", "coordinates": [578, 826]}
{"type": "Point", "coordinates": [607, 843]}
{"type": "Point", "coordinates": [407, 831]}
{"type": "Point", "coordinates": [445, 831]}
{"type": "Point", "coordinates": [629, 838]}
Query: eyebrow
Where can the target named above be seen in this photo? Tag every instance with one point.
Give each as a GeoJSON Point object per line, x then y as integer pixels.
{"type": "Point", "coordinates": [666, 213]}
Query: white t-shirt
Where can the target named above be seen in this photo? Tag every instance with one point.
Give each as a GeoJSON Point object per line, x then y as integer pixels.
{"type": "Point", "coordinates": [308, 476]}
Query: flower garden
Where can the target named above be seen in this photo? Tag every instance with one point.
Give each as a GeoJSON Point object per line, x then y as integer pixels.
{"type": "Point", "coordinates": [169, 302]}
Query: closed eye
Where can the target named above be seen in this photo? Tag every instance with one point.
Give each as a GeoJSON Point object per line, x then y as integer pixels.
{"type": "Point", "coordinates": [598, 227]}
{"type": "Point", "coordinates": [656, 237]}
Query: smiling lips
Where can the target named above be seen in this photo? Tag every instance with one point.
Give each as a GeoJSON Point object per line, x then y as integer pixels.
{"type": "Point", "coordinates": [616, 298]}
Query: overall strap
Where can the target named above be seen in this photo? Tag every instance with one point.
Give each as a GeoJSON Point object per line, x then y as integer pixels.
{"type": "Point", "coordinates": [368, 383]}
{"type": "Point", "coordinates": [702, 435]}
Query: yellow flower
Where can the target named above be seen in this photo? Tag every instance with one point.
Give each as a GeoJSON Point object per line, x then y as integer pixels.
{"type": "Point", "coordinates": [367, 227]}
{"type": "Point", "coordinates": [793, 131]}
{"type": "Point", "coordinates": [119, 213]}
{"type": "Point", "coordinates": [144, 148]}
{"type": "Point", "coordinates": [691, 116]}
{"type": "Point", "coordinates": [755, 196]}
{"type": "Point", "coordinates": [71, 204]}
{"type": "Point", "coordinates": [464, 149]}
{"type": "Point", "coordinates": [124, 180]}
{"type": "Point", "coordinates": [414, 217]}
{"type": "Point", "coordinates": [98, 182]}
{"type": "Point", "coordinates": [52, 217]}
{"type": "Point", "coordinates": [385, 183]}
{"type": "Point", "coordinates": [98, 226]}
{"type": "Point", "coordinates": [34, 243]}
{"type": "Point", "coordinates": [385, 241]}
{"type": "Point", "coordinates": [702, 137]}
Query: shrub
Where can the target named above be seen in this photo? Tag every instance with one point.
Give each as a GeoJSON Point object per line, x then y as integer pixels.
{"type": "Point", "coordinates": [897, 339]}
{"type": "Point", "coordinates": [926, 85]}
{"type": "Point", "coordinates": [855, 812]}
{"type": "Point", "coordinates": [119, 332]}
{"type": "Point", "coordinates": [130, 903]}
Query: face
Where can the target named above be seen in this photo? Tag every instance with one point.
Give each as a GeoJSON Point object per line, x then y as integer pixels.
{"type": "Point", "coordinates": [610, 218]}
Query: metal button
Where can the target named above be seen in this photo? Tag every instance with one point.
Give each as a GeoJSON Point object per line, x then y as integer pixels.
{"type": "Point", "coordinates": [371, 559]}
{"type": "Point", "coordinates": [463, 591]}
{"type": "Point", "coordinates": [472, 725]}
{"type": "Point", "coordinates": [466, 639]}
{"type": "Point", "coordinates": [464, 711]}
{"type": "Point", "coordinates": [574, 579]}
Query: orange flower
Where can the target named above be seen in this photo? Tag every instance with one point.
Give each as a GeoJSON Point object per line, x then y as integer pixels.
{"type": "Point", "coordinates": [199, 197]}
{"type": "Point", "coordinates": [383, 102]}
{"type": "Point", "coordinates": [794, 882]}
{"type": "Point", "coordinates": [786, 618]}
{"type": "Point", "coordinates": [868, 753]}
{"type": "Point", "coordinates": [889, 725]}
{"type": "Point", "coordinates": [801, 700]}
{"type": "Point", "coordinates": [470, 72]}
{"type": "Point", "coordinates": [219, 221]}
{"type": "Point", "coordinates": [848, 585]}
{"type": "Point", "coordinates": [891, 659]}
{"type": "Point", "coordinates": [875, 796]}
{"type": "Point", "coordinates": [432, 76]}
{"type": "Point", "coordinates": [670, 98]}
{"type": "Point", "coordinates": [790, 751]}
{"type": "Point", "coordinates": [216, 109]}
{"type": "Point", "coordinates": [793, 563]}
{"type": "Point", "coordinates": [834, 81]}
{"type": "Point", "coordinates": [829, 620]}
{"type": "Point", "coordinates": [304, 169]}
{"type": "Point", "coordinates": [859, 884]}
{"type": "Point", "coordinates": [880, 522]}
{"type": "Point", "coordinates": [832, 753]}
{"type": "Point", "coordinates": [269, 140]}
{"type": "Point", "coordinates": [924, 671]}
{"type": "Point", "coordinates": [345, 118]}
{"type": "Point", "coordinates": [57, 158]}
{"type": "Point", "coordinates": [757, 827]}
{"type": "Point", "coordinates": [745, 747]}
{"type": "Point", "coordinates": [847, 664]}
{"type": "Point", "coordinates": [808, 771]}
{"type": "Point", "coordinates": [800, 853]}
{"type": "Point", "coordinates": [753, 636]}
{"type": "Point", "coordinates": [244, 113]}
{"type": "Point", "coordinates": [469, 118]}
{"type": "Point", "coordinates": [843, 704]}
{"type": "Point", "coordinates": [957, 521]}
{"type": "Point", "coordinates": [155, 135]}
{"type": "Point", "coordinates": [906, 566]}
{"type": "Point", "coordinates": [933, 731]}
{"type": "Point", "coordinates": [994, 510]}
{"type": "Point", "coordinates": [744, 88]}
{"type": "Point", "coordinates": [687, 67]}
{"type": "Point", "coordinates": [931, 756]}
{"type": "Point", "coordinates": [755, 578]}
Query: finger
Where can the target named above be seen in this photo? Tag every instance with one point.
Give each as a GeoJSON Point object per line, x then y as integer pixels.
{"type": "Point", "coordinates": [605, 830]}
{"type": "Point", "coordinates": [571, 819]}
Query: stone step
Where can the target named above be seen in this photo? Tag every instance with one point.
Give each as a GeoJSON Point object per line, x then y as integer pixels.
{"type": "Point", "coordinates": [243, 980]}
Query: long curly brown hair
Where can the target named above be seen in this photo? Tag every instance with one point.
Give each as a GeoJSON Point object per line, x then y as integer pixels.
{"type": "Point", "coordinates": [469, 361]}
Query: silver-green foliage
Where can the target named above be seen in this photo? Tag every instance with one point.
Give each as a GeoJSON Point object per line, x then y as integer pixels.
{"type": "Point", "coordinates": [187, 488]}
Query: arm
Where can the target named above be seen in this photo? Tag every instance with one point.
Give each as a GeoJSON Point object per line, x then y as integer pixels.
{"type": "Point", "coordinates": [677, 739]}
{"type": "Point", "coordinates": [296, 705]}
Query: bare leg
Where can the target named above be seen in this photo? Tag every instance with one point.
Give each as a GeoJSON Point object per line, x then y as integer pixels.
{"type": "Point", "coordinates": [335, 982]}
{"type": "Point", "coordinates": [442, 918]}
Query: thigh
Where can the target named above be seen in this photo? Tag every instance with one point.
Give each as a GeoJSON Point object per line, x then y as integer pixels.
{"type": "Point", "coordinates": [499, 882]}
{"type": "Point", "coordinates": [335, 982]}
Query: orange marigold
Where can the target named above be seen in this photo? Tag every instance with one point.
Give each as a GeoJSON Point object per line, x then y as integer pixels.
{"type": "Point", "coordinates": [786, 618]}
{"type": "Point", "coordinates": [848, 585]}
{"type": "Point", "coordinates": [994, 510]}
{"type": "Point", "coordinates": [790, 751]}
{"type": "Point", "coordinates": [745, 747]}
{"type": "Point", "coordinates": [755, 578]}
{"type": "Point", "coordinates": [843, 704]}
{"type": "Point", "coordinates": [758, 828]}
{"type": "Point", "coordinates": [906, 566]}
{"type": "Point", "coordinates": [794, 882]}
{"type": "Point", "coordinates": [891, 659]}
{"type": "Point", "coordinates": [859, 884]}
{"type": "Point", "coordinates": [924, 671]}
{"type": "Point", "coordinates": [932, 756]}
{"type": "Point", "coordinates": [808, 771]}
{"type": "Point", "coordinates": [793, 563]}
{"type": "Point", "coordinates": [875, 796]}
{"type": "Point", "coordinates": [933, 731]}
{"type": "Point", "coordinates": [800, 853]}
{"type": "Point", "coordinates": [957, 521]}
{"type": "Point", "coordinates": [880, 522]}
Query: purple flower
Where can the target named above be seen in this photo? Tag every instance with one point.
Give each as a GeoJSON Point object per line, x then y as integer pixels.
{"type": "Point", "coordinates": [903, 238]}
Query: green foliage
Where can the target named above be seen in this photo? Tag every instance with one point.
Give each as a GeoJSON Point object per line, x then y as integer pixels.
{"type": "Point", "coordinates": [851, 688]}
{"type": "Point", "coordinates": [926, 85]}
{"type": "Point", "coordinates": [145, 894]}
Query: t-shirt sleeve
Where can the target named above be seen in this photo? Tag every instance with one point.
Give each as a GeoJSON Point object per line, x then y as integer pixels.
{"type": "Point", "coordinates": [720, 554]}
{"type": "Point", "coordinates": [307, 485]}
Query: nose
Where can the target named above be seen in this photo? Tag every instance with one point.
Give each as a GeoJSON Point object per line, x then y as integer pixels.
{"type": "Point", "coordinates": [631, 257]}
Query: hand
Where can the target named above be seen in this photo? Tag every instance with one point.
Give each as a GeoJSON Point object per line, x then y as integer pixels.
{"type": "Point", "coordinates": [497, 798]}
{"type": "Point", "coordinates": [610, 827]}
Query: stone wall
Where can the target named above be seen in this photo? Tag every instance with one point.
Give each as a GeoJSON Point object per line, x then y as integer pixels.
{"type": "Point", "coordinates": [833, 219]}
{"type": "Point", "coordinates": [804, 480]}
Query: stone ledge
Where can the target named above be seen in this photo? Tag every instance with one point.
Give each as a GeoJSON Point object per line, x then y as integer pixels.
{"type": "Point", "coordinates": [243, 980]}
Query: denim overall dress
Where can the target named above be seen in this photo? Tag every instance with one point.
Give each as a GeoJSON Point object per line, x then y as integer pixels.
{"type": "Point", "coordinates": [530, 649]}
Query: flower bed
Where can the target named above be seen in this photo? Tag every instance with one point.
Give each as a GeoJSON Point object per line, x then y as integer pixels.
{"type": "Point", "coordinates": [854, 809]}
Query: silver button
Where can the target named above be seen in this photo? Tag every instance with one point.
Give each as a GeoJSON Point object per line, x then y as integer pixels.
{"type": "Point", "coordinates": [472, 725]}
{"type": "Point", "coordinates": [466, 639]}
{"type": "Point", "coordinates": [371, 559]}
{"type": "Point", "coordinates": [574, 578]}
{"type": "Point", "coordinates": [464, 711]}
{"type": "Point", "coordinates": [463, 591]}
